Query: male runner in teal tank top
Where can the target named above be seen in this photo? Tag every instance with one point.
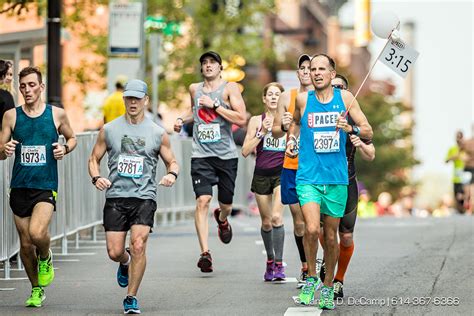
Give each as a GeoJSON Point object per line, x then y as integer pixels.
{"type": "Point", "coordinates": [215, 106]}
{"type": "Point", "coordinates": [31, 133]}
{"type": "Point", "coordinates": [133, 143]}
{"type": "Point", "coordinates": [322, 175]}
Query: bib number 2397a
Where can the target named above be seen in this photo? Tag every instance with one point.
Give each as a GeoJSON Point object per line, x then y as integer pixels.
{"type": "Point", "coordinates": [209, 133]}
{"type": "Point", "coordinates": [326, 142]}
{"type": "Point", "coordinates": [33, 155]}
{"type": "Point", "coordinates": [130, 166]}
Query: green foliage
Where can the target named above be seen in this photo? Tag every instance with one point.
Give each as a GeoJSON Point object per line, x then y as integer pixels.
{"type": "Point", "coordinates": [394, 150]}
{"type": "Point", "coordinates": [209, 30]}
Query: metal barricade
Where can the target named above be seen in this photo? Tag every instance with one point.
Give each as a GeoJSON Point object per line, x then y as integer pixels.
{"type": "Point", "coordinates": [79, 205]}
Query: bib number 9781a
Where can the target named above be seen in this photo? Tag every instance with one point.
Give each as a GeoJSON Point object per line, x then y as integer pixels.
{"type": "Point", "coordinates": [33, 155]}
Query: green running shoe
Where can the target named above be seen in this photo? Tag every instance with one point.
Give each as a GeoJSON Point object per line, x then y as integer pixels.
{"type": "Point", "coordinates": [306, 296]}
{"type": "Point", "coordinates": [326, 300]}
{"type": "Point", "coordinates": [36, 298]}
{"type": "Point", "coordinates": [45, 270]}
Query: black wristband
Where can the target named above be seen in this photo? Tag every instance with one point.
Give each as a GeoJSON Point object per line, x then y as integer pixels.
{"type": "Point", "coordinates": [67, 148]}
{"type": "Point", "coordinates": [174, 174]}
{"type": "Point", "coordinates": [94, 179]}
{"type": "Point", "coordinates": [283, 128]}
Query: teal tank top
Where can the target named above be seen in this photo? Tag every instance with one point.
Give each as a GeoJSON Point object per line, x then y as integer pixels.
{"type": "Point", "coordinates": [322, 154]}
{"type": "Point", "coordinates": [35, 166]}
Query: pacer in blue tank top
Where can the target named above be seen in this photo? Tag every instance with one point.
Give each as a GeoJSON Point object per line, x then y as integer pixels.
{"type": "Point", "coordinates": [31, 131]}
{"type": "Point", "coordinates": [322, 177]}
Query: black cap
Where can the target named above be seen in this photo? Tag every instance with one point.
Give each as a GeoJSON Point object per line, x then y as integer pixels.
{"type": "Point", "coordinates": [302, 59]}
{"type": "Point", "coordinates": [211, 54]}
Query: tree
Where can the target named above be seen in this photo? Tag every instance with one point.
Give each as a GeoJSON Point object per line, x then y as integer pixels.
{"type": "Point", "coordinates": [210, 25]}
{"type": "Point", "coordinates": [394, 149]}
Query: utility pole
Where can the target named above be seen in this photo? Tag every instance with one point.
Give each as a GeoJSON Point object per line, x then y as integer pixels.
{"type": "Point", "coordinates": [54, 87]}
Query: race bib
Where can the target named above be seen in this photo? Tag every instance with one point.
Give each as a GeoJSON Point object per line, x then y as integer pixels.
{"type": "Point", "coordinates": [274, 144]}
{"type": "Point", "coordinates": [130, 166]}
{"type": "Point", "coordinates": [209, 133]}
{"type": "Point", "coordinates": [33, 155]}
{"type": "Point", "coordinates": [326, 142]}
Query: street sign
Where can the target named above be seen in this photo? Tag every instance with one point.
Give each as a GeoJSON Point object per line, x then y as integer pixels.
{"type": "Point", "coordinates": [159, 24]}
{"type": "Point", "coordinates": [125, 28]}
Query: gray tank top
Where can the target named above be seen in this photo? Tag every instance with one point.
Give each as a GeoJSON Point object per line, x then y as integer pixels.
{"type": "Point", "coordinates": [133, 156]}
{"type": "Point", "coordinates": [212, 134]}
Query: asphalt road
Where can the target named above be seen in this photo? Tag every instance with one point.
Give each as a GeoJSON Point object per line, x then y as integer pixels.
{"type": "Point", "coordinates": [400, 267]}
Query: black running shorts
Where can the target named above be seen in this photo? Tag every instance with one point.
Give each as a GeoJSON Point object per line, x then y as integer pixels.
{"type": "Point", "coordinates": [207, 172]}
{"type": "Point", "coordinates": [264, 185]}
{"type": "Point", "coordinates": [347, 223]}
{"type": "Point", "coordinates": [23, 200]}
{"type": "Point", "coordinates": [121, 213]}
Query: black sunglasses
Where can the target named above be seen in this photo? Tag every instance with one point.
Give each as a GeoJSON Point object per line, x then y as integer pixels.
{"type": "Point", "coordinates": [339, 86]}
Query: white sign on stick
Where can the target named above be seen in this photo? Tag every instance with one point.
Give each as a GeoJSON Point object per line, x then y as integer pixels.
{"type": "Point", "coordinates": [399, 56]}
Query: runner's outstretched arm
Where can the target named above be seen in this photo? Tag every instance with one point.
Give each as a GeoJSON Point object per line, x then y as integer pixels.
{"type": "Point", "coordinates": [7, 145]}
{"type": "Point", "coordinates": [252, 138]}
{"type": "Point", "coordinates": [169, 159]}
{"type": "Point", "coordinates": [186, 117]}
{"type": "Point", "coordinates": [98, 153]}
{"type": "Point", "coordinates": [236, 114]}
{"type": "Point", "coordinates": [357, 115]}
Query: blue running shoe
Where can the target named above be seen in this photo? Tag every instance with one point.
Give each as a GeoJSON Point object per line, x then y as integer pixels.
{"type": "Point", "coordinates": [122, 273]}
{"type": "Point", "coordinates": [130, 305]}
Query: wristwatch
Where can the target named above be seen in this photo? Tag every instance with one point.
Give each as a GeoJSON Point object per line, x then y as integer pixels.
{"type": "Point", "coordinates": [355, 130]}
{"type": "Point", "coordinates": [94, 179]}
{"type": "Point", "coordinates": [216, 105]}
{"type": "Point", "coordinates": [67, 148]}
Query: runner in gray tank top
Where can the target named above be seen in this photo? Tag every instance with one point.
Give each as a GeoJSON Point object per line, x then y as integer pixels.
{"type": "Point", "coordinates": [133, 144]}
{"type": "Point", "coordinates": [215, 106]}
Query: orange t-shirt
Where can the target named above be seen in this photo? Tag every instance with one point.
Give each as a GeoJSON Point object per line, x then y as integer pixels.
{"type": "Point", "coordinates": [291, 163]}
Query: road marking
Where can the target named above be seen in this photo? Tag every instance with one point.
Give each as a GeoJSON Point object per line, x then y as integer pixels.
{"type": "Point", "coordinates": [259, 242]}
{"type": "Point", "coordinates": [295, 311]}
{"type": "Point", "coordinates": [286, 280]}
{"type": "Point", "coordinates": [66, 260]}
{"type": "Point", "coordinates": [7, 289]}
{"type": "Point", "coordinates": [250, 229]}
{"type": "Point", "coordinates": [74, 254]}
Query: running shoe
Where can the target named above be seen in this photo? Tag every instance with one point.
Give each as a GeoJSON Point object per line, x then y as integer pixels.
{"type": "Point", "coordinates": [205, 262]}
{"type": "Point", "coordinates": [279, 272]}
{"type": "Point", "coordinates": [302, 278]}
{"type": "Point", "coordinates": [45, 270]}
{"type": "Point", "coordinates": [36, 298]}
{"type": "Point", "coordinates": [306, 296]}
{"type": "Point", "coordinates": [130, 305]}
{"type": "Point", "coordinates": [268, 276]}
{"type": "Point", "coordinates": [122, 273]}
{"type": "Point", "coordinates": [326, 299]}
{"type": "Point", "coordinates": [224, 229]}
{"type": "Point", "coordinates": [338, 292]}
